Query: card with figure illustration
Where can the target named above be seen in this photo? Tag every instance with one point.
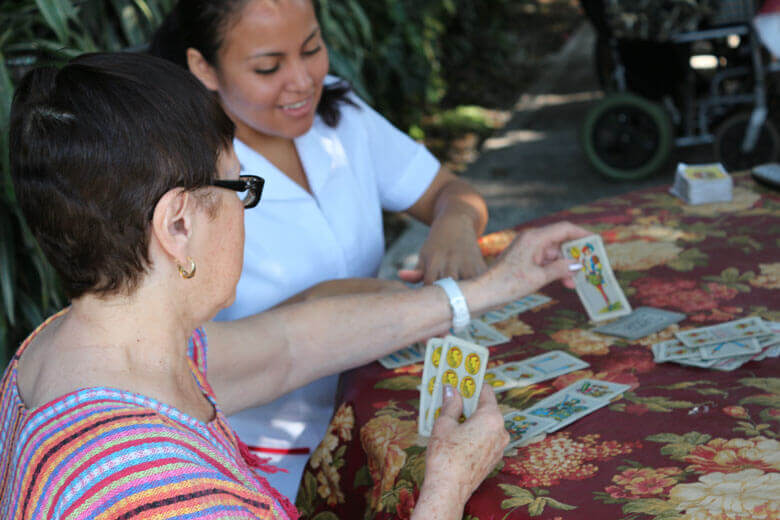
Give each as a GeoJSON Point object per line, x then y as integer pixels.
{"type": "Point", "coordinates": [462, 365]}
{"type": "Point", "coordinates": [404, 357]}
{"type": "Point", "coordinates": [598, 389]}
{"type": "Point", "coordinates": [596, 285]}
{"type": "Point", "coordinates": [729, 331]}
{"type": "Point", "coordinates": [428, 384]}
{"type": "Point", "coordinates": [565, 407]}
{"type": "Point", "coordinates": [642, 322]}
{"type": "Point", "coordinates": [523, 427]}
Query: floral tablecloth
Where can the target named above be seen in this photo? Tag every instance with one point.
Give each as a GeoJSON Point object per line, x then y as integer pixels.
{"type": "Point", "coordinates": [683, 443]}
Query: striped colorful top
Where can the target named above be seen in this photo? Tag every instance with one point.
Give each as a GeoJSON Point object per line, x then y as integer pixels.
{"type": "Point", "coordinates": [102, 453]}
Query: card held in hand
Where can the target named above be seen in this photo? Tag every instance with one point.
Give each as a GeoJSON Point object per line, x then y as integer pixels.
{"type": "Point", "coordinates": [596, 285]}
{"type": "Point", "coordinates": [462, 365]}
{"type": "Point", "coordinates": [428, 384]}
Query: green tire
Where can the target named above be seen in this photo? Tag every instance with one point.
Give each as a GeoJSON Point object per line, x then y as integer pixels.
{"type": "Point", "coordinates": [626, 137]}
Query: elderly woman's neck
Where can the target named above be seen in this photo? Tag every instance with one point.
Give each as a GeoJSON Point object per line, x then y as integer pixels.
{"type": "Point", "coordinates": [145, 327]}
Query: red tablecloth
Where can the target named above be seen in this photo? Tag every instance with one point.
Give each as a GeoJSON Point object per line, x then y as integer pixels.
{"type": "Point", "coordinates": [683, 443]}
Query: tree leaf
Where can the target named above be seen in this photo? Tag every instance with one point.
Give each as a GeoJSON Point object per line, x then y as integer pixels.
{"type": "Point", "coordinates": [648, 506]}
{"type": "Point", "coordinates": [558, 505]}
{"type": "Point", "coordinates": [363, 478]}
{"type": "Point", "coordinates": [55, 14]}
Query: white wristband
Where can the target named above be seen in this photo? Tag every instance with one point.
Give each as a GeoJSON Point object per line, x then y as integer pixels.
{"type": "Point", "coordinates": [460, 311]}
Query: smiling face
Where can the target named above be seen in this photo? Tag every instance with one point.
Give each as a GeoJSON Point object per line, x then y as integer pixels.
{"type": "Point", "coordinates": [271, 67]}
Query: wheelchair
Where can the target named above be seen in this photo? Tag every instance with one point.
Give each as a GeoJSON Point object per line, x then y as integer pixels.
{"type": "Point", "coordinates": [679, 73]}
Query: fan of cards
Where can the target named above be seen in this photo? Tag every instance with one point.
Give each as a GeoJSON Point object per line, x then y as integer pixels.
{"type": "Point", "coordinates": [726, 346]}
{"type": "Point", "coordinates": [702, 183]}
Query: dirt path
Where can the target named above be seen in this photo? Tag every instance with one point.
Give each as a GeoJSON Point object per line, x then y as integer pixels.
{"type": "Point", "coordinates": [534, 165]}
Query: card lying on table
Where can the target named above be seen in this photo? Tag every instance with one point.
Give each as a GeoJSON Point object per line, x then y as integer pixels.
{"type": "Point", "coordinates": [596, 284]}
{"type": "Point", "coordinates": [514, 308]}
{"type": "Point", "coordinates": [455, 362]}
{"type": "Point", "coordinates": [482, 334]}
{"type": "Point", "coordinates": [727, 354]}
{"type": "Point", "coordinates": [729, 331]}
{"type": "Point", "coordinates": [532, 370]}
{"type": "Point", "coordinates": [523, 427]}
{"type": "Point", "coordinates": [575, 401]}
{"type": "Point", "coordinates": [406, 356]}
{"type": "Point", "coordinates": [640, 323]}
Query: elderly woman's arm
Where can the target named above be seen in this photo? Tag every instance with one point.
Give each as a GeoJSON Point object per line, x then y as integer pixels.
{"type": "Point", "coordinates": [257, 359]}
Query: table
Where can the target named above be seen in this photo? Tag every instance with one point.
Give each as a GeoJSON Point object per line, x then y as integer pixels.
{"type": "Point", "coordinates": [682, 440]}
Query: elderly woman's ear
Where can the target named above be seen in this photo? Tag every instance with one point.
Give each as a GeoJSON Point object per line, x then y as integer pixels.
{"type": "Point", "coordinates": [172, 224]}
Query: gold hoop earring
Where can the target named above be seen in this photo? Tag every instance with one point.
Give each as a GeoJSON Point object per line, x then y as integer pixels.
{"type": "Point", "coordinates": [188, 273]}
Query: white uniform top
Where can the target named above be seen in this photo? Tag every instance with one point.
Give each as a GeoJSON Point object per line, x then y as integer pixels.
{"type": "Point", "coordinates": [295, 240]}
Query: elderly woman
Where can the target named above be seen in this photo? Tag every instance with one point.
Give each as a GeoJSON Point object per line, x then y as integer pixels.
{"type": "Point", "coordinates": [124, 168]}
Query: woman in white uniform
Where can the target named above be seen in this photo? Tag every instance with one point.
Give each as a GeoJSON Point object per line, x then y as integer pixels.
{"type": "Point", "coordinates": [331, 165]}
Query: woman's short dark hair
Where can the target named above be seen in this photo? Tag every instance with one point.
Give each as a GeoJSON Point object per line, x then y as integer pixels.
{"type": "Point", "coordinates": [202, 25]}
{"type": "Point", "coordinates": [94, 145]}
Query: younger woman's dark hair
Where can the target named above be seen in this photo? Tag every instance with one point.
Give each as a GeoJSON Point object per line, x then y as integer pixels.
{"type": "Point", "coordinates": [94, 146]}
{"type": "Point", "coordinates": [202, 25]}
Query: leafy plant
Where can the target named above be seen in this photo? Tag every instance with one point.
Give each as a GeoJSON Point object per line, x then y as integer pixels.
{"type": "Point", "coordinates": [39, 32]}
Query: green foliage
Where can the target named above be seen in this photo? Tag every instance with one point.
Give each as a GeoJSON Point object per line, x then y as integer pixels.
{"type": "Point", "coordinates": [43, 32]}
{"type": "Point", "coordinates": [398, 54]}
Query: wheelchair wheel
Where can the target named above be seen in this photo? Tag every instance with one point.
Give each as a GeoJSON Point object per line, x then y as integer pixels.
{"type": "Point", "coordinates": [626, 137]}
{"type": "Point", "coordinates": [728, 143]}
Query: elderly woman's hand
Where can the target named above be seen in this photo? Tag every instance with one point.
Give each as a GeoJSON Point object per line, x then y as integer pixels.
{"type": "Point", "coordinates": [460, 455]}
{"type": "Point", "coordinates": [533, 260]}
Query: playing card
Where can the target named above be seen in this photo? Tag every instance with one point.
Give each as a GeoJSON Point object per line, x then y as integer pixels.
{"type": "Point", "coordinates": [673, 350]}
{"type": "Point", "coordinates": [732, 363]}
{"type": "Point", "coordinates": [406, 356]}
{"type": "Point", "coordinates": [555, 363]}
{"type": "Point", "coordinates": [730, 349]}
{"type": "Point", "coordinates": [729, 331]}
{"type": "Point", "coordinates": [523, 427]}
{"type": "Point", "coordinates": [482, 334]}
{"type": "Point", "coordinates": [462, 365]}
{"type": "Point", "coordinates": [500, 383]}
{"type": "Point", "coordinates": [596, 284]}
{"type": "Point", "coordinates": [640, 323]}
{"type": "Point", "coordinates": [564, 408]}
{"type": "Point", "coordinates": [514, 308]}
{"type": "Point", "coordinates": [428, 384]}
{"type": "Point", "coordinates": [696, 362]}
{"type": "Point", "coordinates": [597, 389]}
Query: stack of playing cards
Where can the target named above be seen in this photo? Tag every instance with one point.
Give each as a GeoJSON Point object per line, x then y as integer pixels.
{"type": "Point", "coordinates": [726, 346]}
{"type": "Point", "coordinates": [596, 284]}
{"type": "Point", "coordinates": [702, 183]}
{"type": "Point", "coordinates": [560, 409]}
{"type": "Point", "coordinates": [532, 370]}
{"type": "Point", "coordinates": [455, 362]}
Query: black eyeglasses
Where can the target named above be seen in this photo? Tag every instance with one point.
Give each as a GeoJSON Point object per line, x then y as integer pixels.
{"type": "Point", "coordinates": [251, 184]}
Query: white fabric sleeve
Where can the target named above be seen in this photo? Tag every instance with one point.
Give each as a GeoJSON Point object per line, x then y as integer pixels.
{"type": "Point", "coordinates": [403, 167]}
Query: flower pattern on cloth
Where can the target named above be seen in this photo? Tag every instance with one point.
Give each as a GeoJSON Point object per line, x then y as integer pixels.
{"type": "Point", "coordinates": [559, 457]}
{"type": "Point", "coordinates": [683, 443]}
